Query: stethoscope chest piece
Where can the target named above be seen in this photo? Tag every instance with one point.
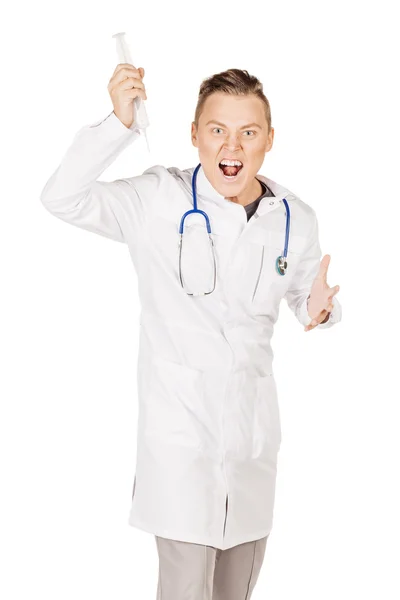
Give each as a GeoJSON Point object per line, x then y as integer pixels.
{"type": "Point", "coordinates": [281, 265]}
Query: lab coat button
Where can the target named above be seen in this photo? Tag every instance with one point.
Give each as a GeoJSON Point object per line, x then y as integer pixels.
{"type": "Point", "coordinates": [271, 202]}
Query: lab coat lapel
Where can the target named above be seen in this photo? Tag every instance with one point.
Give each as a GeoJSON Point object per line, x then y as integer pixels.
{"type": "Point", "coordinates": [269, 202]}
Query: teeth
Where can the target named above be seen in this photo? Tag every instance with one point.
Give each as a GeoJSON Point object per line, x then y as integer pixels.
{"type": "Point", "coordinates": [231, 163]}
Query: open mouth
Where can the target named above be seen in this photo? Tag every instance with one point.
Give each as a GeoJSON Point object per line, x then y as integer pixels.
{"type": "Point", "coordinates": [230, 169]}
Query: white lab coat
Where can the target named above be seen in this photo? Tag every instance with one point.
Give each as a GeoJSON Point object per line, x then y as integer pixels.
{"type": "Point", "coordinates": [208, 419]}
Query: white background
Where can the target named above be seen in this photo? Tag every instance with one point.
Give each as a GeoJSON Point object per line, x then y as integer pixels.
{"type": "Point", "coordinates": [69, 308]}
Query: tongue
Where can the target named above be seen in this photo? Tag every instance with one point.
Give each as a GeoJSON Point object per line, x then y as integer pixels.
{"type": "Point", "coordinates": [230, 170]}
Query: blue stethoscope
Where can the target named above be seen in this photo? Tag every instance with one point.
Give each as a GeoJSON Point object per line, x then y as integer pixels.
{"type": "Point", "coordinates": [280, 263]}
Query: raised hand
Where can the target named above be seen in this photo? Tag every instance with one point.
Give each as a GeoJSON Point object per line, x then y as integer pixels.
{"type": "Point", "coordinates": [125, 85]}
{"type": "Point", "coordinates": [320, 298]}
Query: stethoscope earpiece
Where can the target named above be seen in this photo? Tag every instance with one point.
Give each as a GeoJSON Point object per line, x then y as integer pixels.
{"type": "Point", "coordinates": [281, 265]}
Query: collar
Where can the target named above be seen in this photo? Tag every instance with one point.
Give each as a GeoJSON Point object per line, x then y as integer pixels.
{"type": "Point", "coordinates": [267, 204]}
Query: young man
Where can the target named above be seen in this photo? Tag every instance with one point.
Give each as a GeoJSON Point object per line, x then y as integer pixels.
{"type": "Point", "coordinates": [208, 426]}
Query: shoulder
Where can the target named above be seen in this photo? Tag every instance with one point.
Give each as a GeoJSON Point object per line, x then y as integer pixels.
{"type": "Point", "coordinates": [154, 185]}
{"type": "Point", "coordinates": [159, 178]}
{"type": "Point", "coordinates": [161, 191]}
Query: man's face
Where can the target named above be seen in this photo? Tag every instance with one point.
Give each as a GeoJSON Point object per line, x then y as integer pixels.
{"type": "Point", "coordinates": [232, 127]}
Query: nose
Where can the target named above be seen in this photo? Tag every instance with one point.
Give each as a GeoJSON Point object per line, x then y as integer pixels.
{"type": "Point", "coordinates": [232, 142]}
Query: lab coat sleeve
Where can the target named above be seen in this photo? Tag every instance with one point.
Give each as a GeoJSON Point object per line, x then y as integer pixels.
{"type": "Point", "coordinates": [300, 286]}
{"type": "Point", "coordinates": [73, 193]}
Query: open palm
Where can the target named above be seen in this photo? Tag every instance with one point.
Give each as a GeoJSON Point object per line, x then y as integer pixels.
{"type": "Point", "coordinates": [321, 295]}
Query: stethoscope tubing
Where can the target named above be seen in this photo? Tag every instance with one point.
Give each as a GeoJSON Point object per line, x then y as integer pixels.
{"type": "Point", "coordinates": [201, 212]}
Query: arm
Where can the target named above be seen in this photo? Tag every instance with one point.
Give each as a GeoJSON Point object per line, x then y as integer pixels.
{"type": "Point", "coordinates": [73, 193]}
{"type": "Point", "coordinates": [306, 271]}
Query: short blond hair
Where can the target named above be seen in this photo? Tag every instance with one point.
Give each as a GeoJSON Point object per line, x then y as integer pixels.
{"type": "Point", "coordinates": [232, 81]}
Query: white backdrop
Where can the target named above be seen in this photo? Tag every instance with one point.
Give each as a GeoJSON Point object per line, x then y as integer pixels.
{"type": "Point", "coordinates": [69, 308]}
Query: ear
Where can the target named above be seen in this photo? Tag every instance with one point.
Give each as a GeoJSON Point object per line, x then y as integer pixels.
{"type": "Point", "coordinates": [270, 140]}
{"type": "Point", "coordinates": [194, 135]}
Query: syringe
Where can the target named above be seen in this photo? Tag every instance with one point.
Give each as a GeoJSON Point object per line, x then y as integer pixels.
{"type": "Point", "coordinates": [139, 109]}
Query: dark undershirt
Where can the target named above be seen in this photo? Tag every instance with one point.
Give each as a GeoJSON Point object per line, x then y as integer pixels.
{"type": "Point", "coordinates": [252, 207]}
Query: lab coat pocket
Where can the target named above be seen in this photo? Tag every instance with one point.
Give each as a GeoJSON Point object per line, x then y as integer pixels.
{"type": "Point", "coordinates": [172, 405]}
{"type": "Point", "coordinates": [266, 417]}
{"type": "Point", "coordinates": [134, 487]}
{"type": "Point", "coordinates": [268, 284]}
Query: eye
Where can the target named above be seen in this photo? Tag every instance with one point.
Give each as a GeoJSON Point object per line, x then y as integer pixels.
{"type": "Point", "coordinates": [250, 131]}
{"type": "Point", "coordinates": [217, 128]}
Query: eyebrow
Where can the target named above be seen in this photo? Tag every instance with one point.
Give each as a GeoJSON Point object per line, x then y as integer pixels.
{"type": "Point", "coordinates": [244, 126]}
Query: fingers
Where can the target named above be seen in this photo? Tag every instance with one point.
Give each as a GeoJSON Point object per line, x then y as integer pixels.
{"type": "Point", "coordinates": [121, 66]}
{"type": "Point", "coordinates": [328, 294]}
{"type": "Point", "coordinates": [328, 308]}
{"type": "Point", "coordinates": [323, 314]}
{"type": "Point", "coordinates": [333, 291]}
{"type": "Point", "coordinates": [131, 82]}
{"type": "Point", "coordinates": [316, 321]}
{"type": "Point", "coordinates": [134, 93]}
{"type": "Point", "coordinates": [323, 267]}
{"type": "Point", "coordinates": [126, 84]}
{"type": "Point", "coordinates": [123, 72]}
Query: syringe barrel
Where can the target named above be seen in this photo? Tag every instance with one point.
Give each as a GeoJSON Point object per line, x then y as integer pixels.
{"type": "Point", "coordinates": [124, 55]}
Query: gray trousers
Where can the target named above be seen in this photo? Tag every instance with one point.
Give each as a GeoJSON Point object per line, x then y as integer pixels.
{"type": "Point", "coordinates": [197, 572]}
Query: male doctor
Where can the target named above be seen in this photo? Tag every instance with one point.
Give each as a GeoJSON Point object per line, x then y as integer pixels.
{"type": "Point", "coordinates": [208, 421]}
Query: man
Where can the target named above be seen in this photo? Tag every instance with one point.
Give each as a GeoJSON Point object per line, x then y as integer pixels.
{"type": "Point", "coordinates": [208, 424]}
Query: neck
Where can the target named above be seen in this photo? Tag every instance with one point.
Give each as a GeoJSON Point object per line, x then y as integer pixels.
{"type": "Point", "coordinates": [249, 194]}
